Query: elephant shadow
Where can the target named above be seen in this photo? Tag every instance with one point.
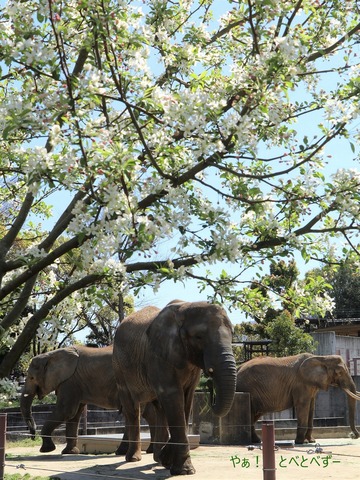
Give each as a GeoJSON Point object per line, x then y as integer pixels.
{"type": "Point", "coordinates": [121, 469]}
{"type": "Point", "coordinates": [63, 467]}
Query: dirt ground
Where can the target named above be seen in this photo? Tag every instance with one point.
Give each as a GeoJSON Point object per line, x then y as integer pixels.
{"type": "Point", "coordinates": [331, 459]}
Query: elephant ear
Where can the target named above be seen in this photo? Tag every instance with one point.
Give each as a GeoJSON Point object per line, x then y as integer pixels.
{"type": "Point", "coordinates": [59, 366]}
{"type": "Point", "coordinates": [166, 336]}
{"type": "Point", "coordinates": [314, 372]}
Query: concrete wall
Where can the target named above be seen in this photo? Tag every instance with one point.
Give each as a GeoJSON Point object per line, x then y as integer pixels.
{"type": "Point", "coordinates": [331, 344]}
{"type": "Point", "coordinates": [326, 343]}
{"type": "Point", "coordinates": [232, 429]}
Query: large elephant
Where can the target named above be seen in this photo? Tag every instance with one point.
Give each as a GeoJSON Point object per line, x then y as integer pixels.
{"type": "Point", "coordinates": [276, 384]}
{"type": "Point", "coordinates": [159, 355]}
{"type": "Point", "coordinates": [79, 375]}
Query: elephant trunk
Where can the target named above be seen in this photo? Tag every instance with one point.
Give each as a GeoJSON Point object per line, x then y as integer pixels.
{"type": "Point", "coordinates": [223, 373]}
{"type": "Point", "coordinates": [25, 408]}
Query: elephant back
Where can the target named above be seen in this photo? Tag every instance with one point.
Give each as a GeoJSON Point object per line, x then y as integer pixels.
{"type": "Point", "coordinates": [131, 337]}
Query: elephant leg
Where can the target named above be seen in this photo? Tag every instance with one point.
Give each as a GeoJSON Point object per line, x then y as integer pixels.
{"type": "Point", "coordinates": [150, 448]}
{"type": "Point", "coordinates": [254, 436]}
{"type": "Point", "coordinates": [47, 429]}
{"type": "Point", "coordinates": [176, 453]}
{"type": "Point", "coordinates": [56, 418]}
{"type": "Point", "coordinates": [72, 428]}
{"type": "Point", "coordinates": [54, 421]}
{"type": "Point", "coordinates": [132, 427]}
{"type": "Point", "coordinates": [160, 434]}
{"type": "Point", "coordinates": [302, 413]}
{"type": "Point", "coordinates": [309, 436]}
{"type": "Point", "coordinates": [124, 445]}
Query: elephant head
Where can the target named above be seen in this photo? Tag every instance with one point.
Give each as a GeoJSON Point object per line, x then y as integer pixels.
{"type": "Point", "coordinates": [330, 370]}
{"type": "Point", "coordinates": [46, 372]}
{"type": "Point", "coordinates": [198, 333]}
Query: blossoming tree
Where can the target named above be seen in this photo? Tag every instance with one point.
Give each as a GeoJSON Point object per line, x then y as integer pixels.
{"type": "Point", "coordinates": [171, 137]}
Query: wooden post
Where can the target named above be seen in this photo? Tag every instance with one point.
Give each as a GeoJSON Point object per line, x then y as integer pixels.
{"type": "Point", "coordinates": [3, 421]}
{"type": "Point", "coordinates": [268, 450]}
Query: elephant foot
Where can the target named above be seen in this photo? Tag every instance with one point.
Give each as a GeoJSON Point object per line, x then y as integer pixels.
{"type": "Point", "coordinates": [135, 457]}
{"type": "Point", "coordinates": [186, 469]}
{"type": "Point", "coordinates": [71, 451]}
{"type": "Point", "coordinates": [47, 447]}
{"type": "Point", "coordinates": [150, 448]}
{"type": "Point", "coordinates": [165, 456]}
{"type": "Point", "coordinates": [300, 441]}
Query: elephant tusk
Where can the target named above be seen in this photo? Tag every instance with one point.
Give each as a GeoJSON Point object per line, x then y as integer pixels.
{"type": "Point", "coordinates": [25, 395]}
{"type": "Point", "coordinates": [352, 395]}
{"type": "Point", "coordinates": [211, 370]}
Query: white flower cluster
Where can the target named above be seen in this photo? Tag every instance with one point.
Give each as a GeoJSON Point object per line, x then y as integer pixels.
{"type": "Point", "coordinates": [94, 80]}
{"type": "Point", "coordinates": [38, 161]}
{"type": "Point", "coordinates": [55, 135]}
{"type": "Point", "coordinates": [32, 51]}
{"type": "Point", "coordinates": [9, 389]}
{"type": "Point", "coordinates": [109, 266]}
{"type": "Point", "coordinates": [314, 304]}
{"type": "Point", "coordinates": [35, 253]}
{"type": "Point", "coordinates": [345, 182]}
{"type": "Point", "coordinates": [290, 47]}
{"type": "Point", "coordinates": [188, 110]}
{"type": "Point", "coordinates": [337, 110]}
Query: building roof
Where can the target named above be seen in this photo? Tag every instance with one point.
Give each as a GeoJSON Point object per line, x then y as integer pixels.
{"type": "Point", "coordinates": [341, 326]}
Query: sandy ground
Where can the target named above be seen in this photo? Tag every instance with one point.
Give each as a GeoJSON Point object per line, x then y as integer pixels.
{"type": "Point", "coordinates": [332, 459]}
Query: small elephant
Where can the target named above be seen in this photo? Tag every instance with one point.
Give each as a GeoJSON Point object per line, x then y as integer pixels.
{"type": "Point", "coordinates": [79, 375]}
{"type": "Point", "coordinates": [276, 384]}
{"type": "Point", "coordinates": [159, 355]}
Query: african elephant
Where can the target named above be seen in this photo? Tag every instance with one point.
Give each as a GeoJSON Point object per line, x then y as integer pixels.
{"type": "Point", "coordinates": [276, 384]}
{"type": "Point", "coordinates": [159, 355]}
{"type": "Point", "coordinates": [79, 375]}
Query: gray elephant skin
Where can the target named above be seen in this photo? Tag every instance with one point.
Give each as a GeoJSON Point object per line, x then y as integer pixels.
{"type": "Point", "coordinates": [276, 384]}
{"type": "Point", "coordinates": [79, 376]}
{"type": "Point", "coordinates": [159, 355]}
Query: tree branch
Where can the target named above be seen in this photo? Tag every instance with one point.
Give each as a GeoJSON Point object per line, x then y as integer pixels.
{"type": "Point", "coordinates": [32, 325]}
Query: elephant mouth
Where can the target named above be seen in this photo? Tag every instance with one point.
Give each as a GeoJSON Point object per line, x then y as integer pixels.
{"type": "Point", "coordinates": [37, 393]}
{"type": "Point", "coordinates": [352, 395]}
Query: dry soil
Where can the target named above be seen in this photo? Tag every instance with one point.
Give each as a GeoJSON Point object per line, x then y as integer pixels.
{"type": "Point", "coordinates": [331, 459]}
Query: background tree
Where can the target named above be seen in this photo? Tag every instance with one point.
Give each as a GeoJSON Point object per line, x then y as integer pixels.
{"type": "Point", "coordinates": [278, 323]}
{"type": "Point", "coordinates": [343, 285]}
{"type": "Point", "coordinates": [286, 337]}
{"type": "Point", "coordinates": [173, 137]}
{"type": "Point", "coordinates": [103, 320]}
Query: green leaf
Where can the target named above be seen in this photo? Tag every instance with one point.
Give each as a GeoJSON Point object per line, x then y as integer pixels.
{"type": "Point", "coordinates": [6, 131]}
